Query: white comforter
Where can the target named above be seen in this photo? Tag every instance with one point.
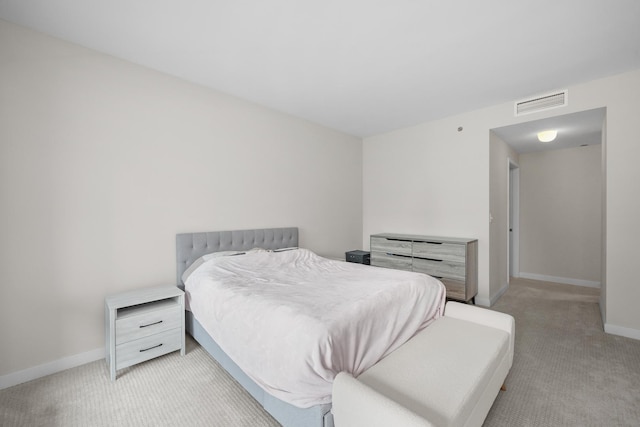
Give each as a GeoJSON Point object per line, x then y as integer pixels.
{"type": "Point", "coordinates": [292, 320]}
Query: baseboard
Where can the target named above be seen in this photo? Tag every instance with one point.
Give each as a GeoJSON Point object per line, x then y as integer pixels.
{"type": "Point", "coordinates": [622, 331]}
{"type": "Point", "coordinates": [488, 302]}
{"type": "Point", "coordinates": [498, 294]}
{"type": "Point", "coordinates": [565, 280]}
{"type": "Point", "coordinates": [39, 371]}
{"type": "Point", "coordinates": [483, 302]}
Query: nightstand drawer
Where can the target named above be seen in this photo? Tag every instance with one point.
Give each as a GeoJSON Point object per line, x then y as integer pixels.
{"type": "Point", "coordinates": [147, 319]}
{"type": "Point", "coordinates": [143, 349]}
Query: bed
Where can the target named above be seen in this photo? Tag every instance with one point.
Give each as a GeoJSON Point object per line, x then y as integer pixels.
{"type": "Point", "coordinates": [224, 296]}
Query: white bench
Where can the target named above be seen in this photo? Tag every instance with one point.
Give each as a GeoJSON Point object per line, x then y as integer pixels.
{"type": "Point", "coordinates": [448, 374]}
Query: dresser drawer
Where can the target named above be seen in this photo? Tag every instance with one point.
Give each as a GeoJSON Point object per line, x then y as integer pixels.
{"type": "Point", "coordinates": [400, 247]}
{"type": "Point", "coordinates": [147, 319]}
{"type": "Point", "coordinates": [440, 269]}
{"type": "Point", "coordinates": [146, 348]}
{"type": "Point", "coordinates": [456, 290]}
{"type": "Point", "coordinates": [382, 259]}
{"type": "Point", "coordinates": [440, 251]}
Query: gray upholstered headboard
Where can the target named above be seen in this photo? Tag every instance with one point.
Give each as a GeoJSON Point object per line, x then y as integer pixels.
{"type": "Point", "coordinates": [191, 246]}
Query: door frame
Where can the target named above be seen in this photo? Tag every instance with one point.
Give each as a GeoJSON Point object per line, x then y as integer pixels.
{"type": "Point", "coordinates": [513, 219]}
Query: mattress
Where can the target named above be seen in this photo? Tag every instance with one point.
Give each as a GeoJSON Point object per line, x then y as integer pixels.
{"type": "Point", "coordinates": [291, 320]}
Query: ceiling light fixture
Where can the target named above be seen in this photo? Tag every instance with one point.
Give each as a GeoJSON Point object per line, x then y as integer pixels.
{"type": "Point", "coordinates": [547, 135]}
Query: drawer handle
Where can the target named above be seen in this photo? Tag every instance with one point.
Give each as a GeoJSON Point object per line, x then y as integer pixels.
{"type": "Point", "coordinates": [399, 255]}
{"type": "Point", "coordinates": [151, 348]}
{"type": "Point", "coordinates": [151, 324]}
{"type": "Point", "coordinates": [428, 259]}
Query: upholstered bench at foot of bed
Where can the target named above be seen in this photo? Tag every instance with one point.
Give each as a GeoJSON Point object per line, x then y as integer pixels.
{"type": "Point", "coordinates": [449, 374]}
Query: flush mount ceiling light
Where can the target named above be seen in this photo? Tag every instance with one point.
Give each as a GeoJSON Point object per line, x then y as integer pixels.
{"type": "Point", "coordinates": [547, 135]}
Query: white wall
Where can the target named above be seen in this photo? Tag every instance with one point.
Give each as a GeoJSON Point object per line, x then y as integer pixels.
{"type": "Point", "coordinates": [621, 95]}
{"type": "Point", "coordinates": [560, 215]}
{"type": "Point", "coordinates": [603, 219]}
{"type": "Point", "coordinates": [432, 179]}
{"type": "Point", "coordinates": [102, 162]}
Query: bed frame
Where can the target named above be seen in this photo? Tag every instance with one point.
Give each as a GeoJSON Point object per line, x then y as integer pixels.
{"type": "Point", "coordinates": [190, 247]}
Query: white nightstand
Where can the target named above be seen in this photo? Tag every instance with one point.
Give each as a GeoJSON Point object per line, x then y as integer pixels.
{"type": "Point", "coordinates": [143, 324]}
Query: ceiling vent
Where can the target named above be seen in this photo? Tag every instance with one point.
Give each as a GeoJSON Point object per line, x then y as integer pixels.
{"type": "Point", "coordinates": [541, 103]}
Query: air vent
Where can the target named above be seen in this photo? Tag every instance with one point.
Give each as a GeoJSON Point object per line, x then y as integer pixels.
{"type": "Point", "coordinates": [541, 103]}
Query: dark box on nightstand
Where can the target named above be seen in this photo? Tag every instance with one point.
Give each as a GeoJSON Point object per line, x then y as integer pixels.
{"type": "Point", "coordinates": [359, 257]}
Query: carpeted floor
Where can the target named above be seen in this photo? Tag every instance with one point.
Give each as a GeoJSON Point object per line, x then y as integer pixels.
{"type": "Point", "coordinates": [567, 372]}
{"type": "Point", "coordinates": [172, 390]}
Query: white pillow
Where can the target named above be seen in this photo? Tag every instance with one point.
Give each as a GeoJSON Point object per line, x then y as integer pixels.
{"type": "Point", "coordinates": [286, 249]}
{"type": "Point", "coordinates": [257, 250]}
{"type": "Point", "coordinates": [207, 257]}
{"type": "Point", "coordinates": [197, 263]}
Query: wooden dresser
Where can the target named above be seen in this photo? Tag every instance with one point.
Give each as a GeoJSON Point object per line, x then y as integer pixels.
{"type": "Point", "coordinates": [454, 261]}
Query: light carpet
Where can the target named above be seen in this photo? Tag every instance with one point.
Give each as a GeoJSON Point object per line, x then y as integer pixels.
{"type": "Point", "coordinates": [566, 372]}
{"type": "Point", "coordinates": [172, 390]}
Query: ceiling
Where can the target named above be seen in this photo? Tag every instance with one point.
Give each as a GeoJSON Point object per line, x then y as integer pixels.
{"type": "Point", "coordinates": [574, 130]}
{"type": "Point", "coordinates": [360, 66]}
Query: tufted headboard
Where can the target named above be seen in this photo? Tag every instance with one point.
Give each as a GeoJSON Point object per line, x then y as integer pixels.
{"type": "Point", "coordinates": [191, 246]}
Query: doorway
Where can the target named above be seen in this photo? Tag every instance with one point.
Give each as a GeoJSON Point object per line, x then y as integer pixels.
{"type": "Point", "coordinates": [544, 215]}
